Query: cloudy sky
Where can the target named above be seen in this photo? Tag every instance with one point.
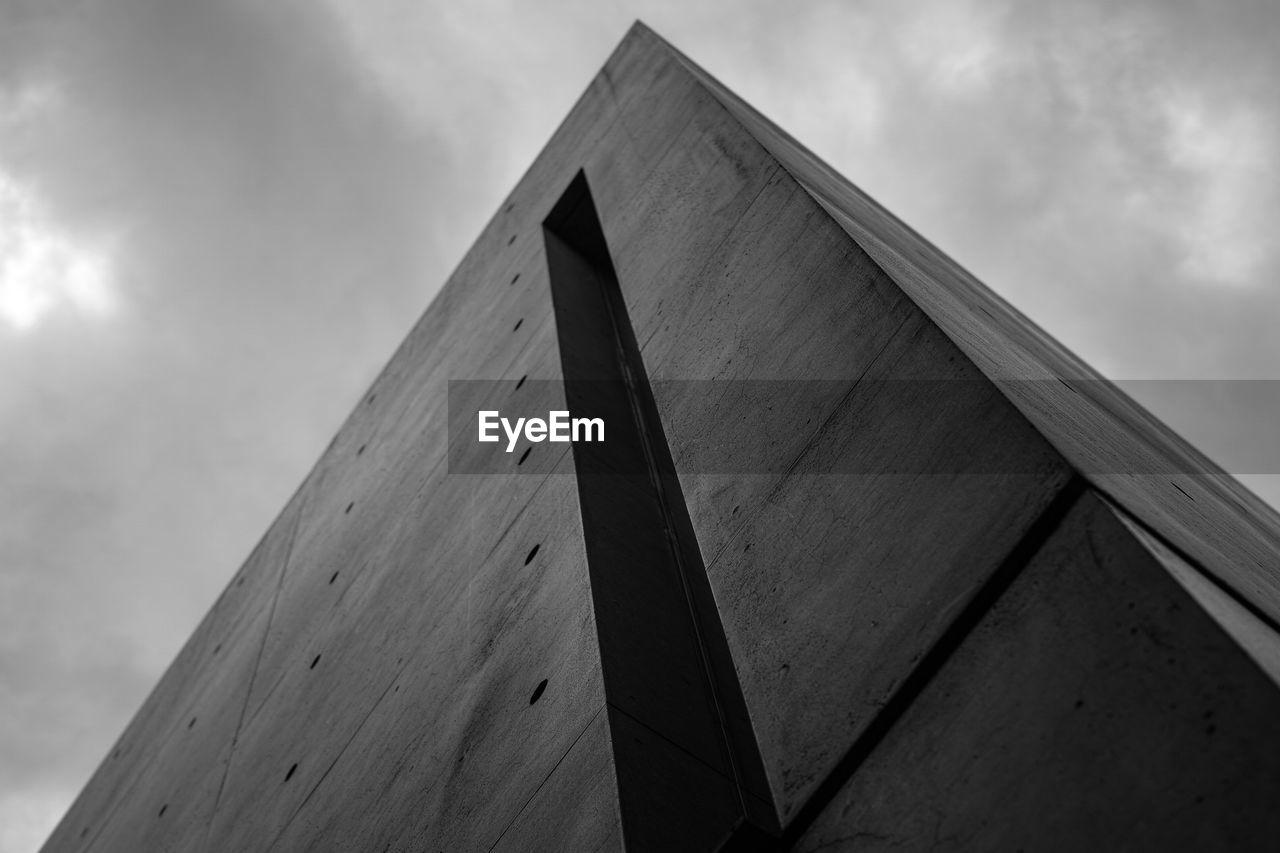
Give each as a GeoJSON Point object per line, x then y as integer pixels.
{"type": "Point", "coordinates": [218, 218]}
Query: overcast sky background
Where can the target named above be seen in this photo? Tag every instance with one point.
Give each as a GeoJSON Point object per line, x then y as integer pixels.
{"type": "Point", "coordinates": [218, 218]}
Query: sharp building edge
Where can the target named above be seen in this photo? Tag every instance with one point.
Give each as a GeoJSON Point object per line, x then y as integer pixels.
{"type": "Point", "coordinates": [983, 600]}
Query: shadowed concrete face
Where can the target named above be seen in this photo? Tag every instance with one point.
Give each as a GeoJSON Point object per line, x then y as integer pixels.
{"type": "Point", "coordinates": [602, 646]}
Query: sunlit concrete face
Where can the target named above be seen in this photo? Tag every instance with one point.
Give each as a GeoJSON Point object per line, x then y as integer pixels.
{"type": "Point", "coordinates": [608, 643]}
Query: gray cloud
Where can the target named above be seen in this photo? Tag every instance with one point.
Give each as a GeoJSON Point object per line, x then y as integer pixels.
{"type": "Point", "coordinates": [273, 225]}
{"type": "Point", "coordinates": [281, 187]}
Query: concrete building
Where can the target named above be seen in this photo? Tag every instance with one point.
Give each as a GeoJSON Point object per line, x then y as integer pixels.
{"type": "Point", "coordinates": [866, 561]}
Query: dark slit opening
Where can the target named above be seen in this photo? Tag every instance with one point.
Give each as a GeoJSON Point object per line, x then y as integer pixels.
{"type": "Point", "coordinates": [669, 678]}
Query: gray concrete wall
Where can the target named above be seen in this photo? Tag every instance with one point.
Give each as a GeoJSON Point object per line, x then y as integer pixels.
{"type": "Point", "coordinates": [1095, 705]}
{"type": "Point", "coordinates": [910, 645]}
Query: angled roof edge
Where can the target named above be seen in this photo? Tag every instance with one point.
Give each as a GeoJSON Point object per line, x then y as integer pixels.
{"type": "Point", "coordinates": [1137, 461]}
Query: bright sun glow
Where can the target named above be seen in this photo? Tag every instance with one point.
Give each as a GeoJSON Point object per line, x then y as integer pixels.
{"type": "Point", "coordinates": [41, 267]}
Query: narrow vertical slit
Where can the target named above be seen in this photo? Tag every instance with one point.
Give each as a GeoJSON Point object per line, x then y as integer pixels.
{"type": "Point", "coordinates": [689, 768]}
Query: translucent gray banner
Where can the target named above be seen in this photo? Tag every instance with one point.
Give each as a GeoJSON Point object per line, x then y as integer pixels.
{"type": "Point", "coordinates": [876, 426]}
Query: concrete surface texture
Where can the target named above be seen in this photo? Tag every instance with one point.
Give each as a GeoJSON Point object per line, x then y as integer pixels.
{"type": "Point", "coordinates": [1055, 627]}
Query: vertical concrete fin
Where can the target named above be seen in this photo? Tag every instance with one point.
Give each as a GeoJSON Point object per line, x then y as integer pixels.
{"type": "Point", "coordinates": [669, 677]}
